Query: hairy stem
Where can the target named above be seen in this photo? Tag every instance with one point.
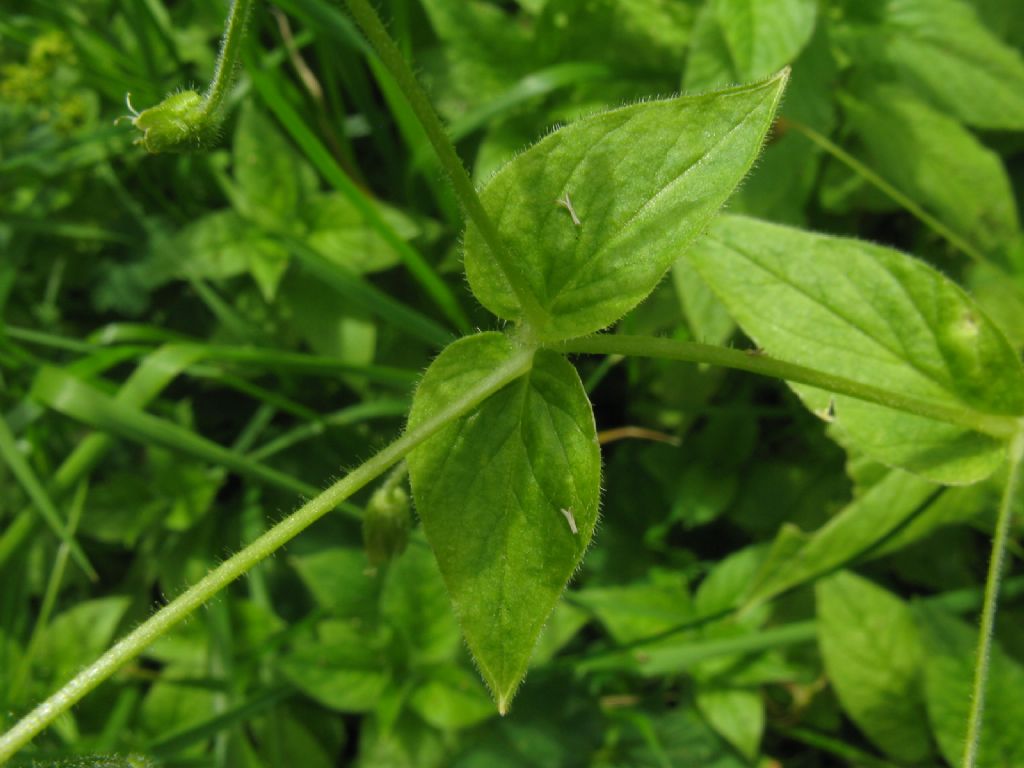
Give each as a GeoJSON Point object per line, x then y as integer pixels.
{"type": "Point", "coordinates": [991, 600]}
{"type": "Point", "coordinates": [898, 197]}
{"type": "Point", "coordinates": [227, 59]}
{"type": "Point", "coordinates": [392, 58]}
{"type": "Point", "coordinates": [181, 607]}
{"type": "Point", "coordinates": [1002, 427]}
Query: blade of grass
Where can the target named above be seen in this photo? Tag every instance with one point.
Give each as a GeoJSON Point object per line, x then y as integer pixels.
{"type": "Point", "coordinates": [167, 746]}
{"type": "Point", "coordinates": [64, 393]}
{"type": "Point", "coordinates": [876, 180]}
{"type": "Point", "coordinates": [363, 295]}
{"type": "Point", "coordinates": [145, 383]}
{"type": "Point", "coordinates": [41, 500]}
{"type": "Point", "coordinates": [328, 167]}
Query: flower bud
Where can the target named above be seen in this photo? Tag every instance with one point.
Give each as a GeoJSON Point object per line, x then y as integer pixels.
{"type": "Point", "coordinates": [386, 524]}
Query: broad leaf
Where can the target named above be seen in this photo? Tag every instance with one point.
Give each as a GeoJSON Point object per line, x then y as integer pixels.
{"type": "Point", "coordinates": [642, 182]}
{"type": "Point", "coordinates": [950, 652]}
{"type": "Point", "coordinates": [875, 316]}
{"type": "Point", "coordinates": [743, 40]}
{"type": "Point", "coordinates": [938, 162]}
{"type": "Point", "coordinates": [873, 657]}
{"type": "Point", "coordinates": [499, 493]}
{"type": "Point", "coordinates": [941, 49]}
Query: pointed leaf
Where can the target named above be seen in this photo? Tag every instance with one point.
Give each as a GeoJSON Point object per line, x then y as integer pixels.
{"type": "Point", "coordinates": [637, 184]}
{"type": "Point", "coordinates": [491, 489]}
{"type": "Point", "coordinates": [875, 316]}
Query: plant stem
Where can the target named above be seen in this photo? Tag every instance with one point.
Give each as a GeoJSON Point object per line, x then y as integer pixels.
{"type": "Point", "coordinates": [1002, 427]}
{"type": "Point", "coordinates": [991, 601]}
{"type": "Point", "coordinates": [886, 188]}
{"type": "Point", "coordinates": [181, 607]}
{"type": "Point", "coordinates": [392, 58]}
{"type": "Point", "coordinates": [227, 59]}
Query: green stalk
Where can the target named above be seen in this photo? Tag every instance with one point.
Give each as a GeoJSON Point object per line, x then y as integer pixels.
{"type": "Point", "coordinates": [898, 197]}
{"type": "Point", "coordinates": [392, 58]}
{"type": "Point", "coordinates": [991, 602]}
{"type": "Point", "coordinates": [181, 607]}
{"type": "Point", "coordinates": [1002, 427]}
{"type": "Point", "coordinates": [227, 59]}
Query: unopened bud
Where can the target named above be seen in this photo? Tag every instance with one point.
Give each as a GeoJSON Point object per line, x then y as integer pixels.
{"type": "Point", "coordinates": [386, 524]}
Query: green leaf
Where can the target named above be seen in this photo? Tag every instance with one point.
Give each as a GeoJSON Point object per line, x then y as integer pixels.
{"type": "Point", "coordinates": [451, 699]}
{"type": "Point", "coordinates": [708, 320]}
{"type": "Point", "coordinates": [896, 510]}
{"type": "Point", "coordinates": [875, 316]}
{"type": "Point", "coordinates": [873, 660]}
{"type": "Point", "coordinates": [642, 180]}
{"type": "Point", "coordinates": [415, 606]}
{"type": "Point", "coordinates": [635, 611]}
{"type": "Point", "coordinates": [743, 40]}
{"type": "Point", "coordinates": [268, 171]}
{"type": "Point", "coordinates": [942, 50]}
{"type": "Point", "coordinates": [736, 714]}
{"type": "Point", "coordinates": [343, 668]}
{"type": "Point", "coordinates": [638, 38]}
{"type": "Point", "coordinates": [938, 163]}
{"type": "Point", "coordinates": [950, 652]}
{"type": "Point", "coordinates": [491, 489]}
{"type": "Point", "coordinates": [340, 233]}
{"type": "Point", "coordinates": [76, 636]}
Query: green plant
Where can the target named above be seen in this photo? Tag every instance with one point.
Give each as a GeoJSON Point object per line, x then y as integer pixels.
{"type": "Point", "coordinates": [501, 443]}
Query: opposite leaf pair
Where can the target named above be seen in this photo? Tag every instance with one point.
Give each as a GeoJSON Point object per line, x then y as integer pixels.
{"type": "Point", "coordinates": [594, 215]}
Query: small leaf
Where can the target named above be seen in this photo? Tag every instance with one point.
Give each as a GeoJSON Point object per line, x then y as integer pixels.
{"type": "Point", "coordinates": [875, 316]}
{"type": "Point", "coordinates": [491, 489]}
{"type": "Point", "coordinates": [873, 660]}
{"type": "Point", "coordinates": [343, 668]}
{"type": "Point", "coordinates": [743, 40]}
{"type": "Point", "coordinates": [736, 714]}
{"type": "Point", "coordinates": [641, 182]}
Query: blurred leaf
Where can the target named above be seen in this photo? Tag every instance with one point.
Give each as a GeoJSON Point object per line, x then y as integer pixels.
{"type": "Point", "coordinates": [272, 180]}
{"type": "Point", "coordinates": [641, 38]}
{"type": "Point", "coordinates": [342, 667]}
{"type": "Point", "coordinates": [639, 610]}
{"type": "Point", "coordinates": [950, 650]}
{"type": "Point", "coordinates": [451, 699]}
{"type": "Point", "coordinates": [938, 163]}
{"type": "Point", "coordinates": [743, 40]}
{"type": "Point", "coordinates": [736, 714]}
{"type": "Point", "coordinates": [339, 580]}
{"type": "Point", "coordinates": [873, 660]}
{"type": "Point", "coordinates": [415, 604]}
{"type": "Point", "coordinates": [339, 232]}
{"type": "Point", "coordinates": [940, 49]}
{"type": "Point", "coordinates": [78, 635]}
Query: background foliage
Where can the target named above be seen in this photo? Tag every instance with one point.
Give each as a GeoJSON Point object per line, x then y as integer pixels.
{"type": "Point", "coordinates": [189, 342]}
